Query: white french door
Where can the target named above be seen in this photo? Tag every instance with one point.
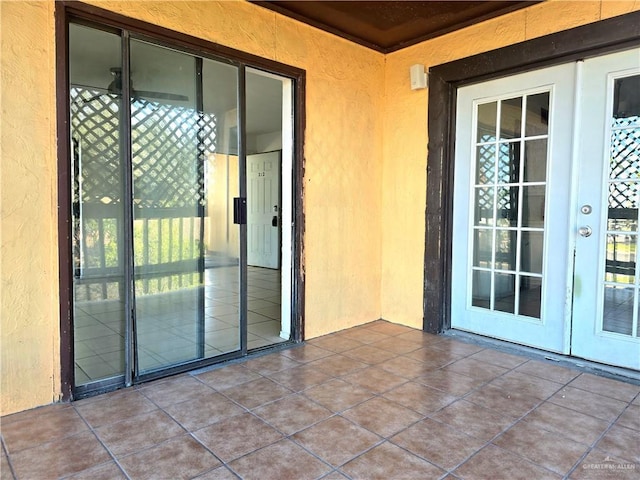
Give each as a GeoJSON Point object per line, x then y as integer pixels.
{"type": "Point", "coordinates": [546, 209]}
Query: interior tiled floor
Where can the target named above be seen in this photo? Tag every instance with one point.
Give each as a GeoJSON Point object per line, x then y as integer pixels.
{"type": "Point", "coordinates": [379, 401]}
{"type": "Point", "coordinates": [168, 324]}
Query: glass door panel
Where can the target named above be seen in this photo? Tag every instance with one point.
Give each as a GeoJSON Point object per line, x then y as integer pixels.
{"type": "Point", "coordinates": [98, 167]}
{"type": "Point", "coordinates": [185, 176]}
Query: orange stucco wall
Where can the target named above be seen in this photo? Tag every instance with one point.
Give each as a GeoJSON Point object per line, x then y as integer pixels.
{"type": "Point", "coordinates": [364, 186]}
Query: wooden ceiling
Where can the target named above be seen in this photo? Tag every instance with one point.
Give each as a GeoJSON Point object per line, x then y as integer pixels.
{"type": "Point", "coordinates": [389, 26]}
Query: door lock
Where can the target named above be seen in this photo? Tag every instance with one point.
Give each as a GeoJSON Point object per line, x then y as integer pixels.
{"type": "Point", "coordinates": [586, 209]}
{"type": "Point", "coordinates": [585, 231]}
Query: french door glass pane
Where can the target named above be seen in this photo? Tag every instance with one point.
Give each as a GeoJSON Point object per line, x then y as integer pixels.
{"type": "Point", "coordinates": [97, 207]}
{"type": "Point", "coordinates": [621, 281]}
{"type": "Point", "coordinates": [508, 239]}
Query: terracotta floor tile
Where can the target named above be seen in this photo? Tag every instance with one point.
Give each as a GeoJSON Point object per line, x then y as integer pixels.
{"type": "Point", "coordinates": [369, 354]}
{"type": "Point", "coordinates": [60, 457]}
{"type": "Point", "coordinates": [457, 346]}
{"type": "Point", "coordinates": [493, 462]}
{"type": "Point", "coordinates": [338, 365]}
{"type": "Point", "coordinates": [237, 436]}
{"type": "Point", "coordinates": [282, 460]}
{"type": "Point", "coordinates": [5, 468]}
{"type": "Point", "coordinates": [438, 443]}
{"type": "Point", "coordinates": [98, 411]}
{"type": "Point", "coordinates": [433, 357]}
{"type": "Point", "coordinates": [542, 447]}
{"type": "Point", "coordinates": [599, 465]}
{"type": "Point", "coordinates": [336, 440]}
{"type": "Point", "coordinates": [382, 416]}
{"type": "Point", "coordinates": [306, 353]}
{"type": "Point", "coordinates": [334, 476]}
{"type": "Point", "coordinates": [272, 363]}
{"type": "Point", "coordinates": [606, 386]}
{"type": "Point", "coordinates": [374, 379]}
{"type": "Point", "coordinates": [450, 382]}
{"type": "Point", "coordinates": [178, 458]}
{"type": "Point", "coordinates": [605, 408]}
{"type": "Point", "coordinates": [473, 419]}
{"type": "Point", "coordinates": [205, 410]}
{"type": "Point", "coordinates": [338, 395]}
{"type": "Point", "coordinates": [623, 443]}
{"type": "Point", "coordinates": [502, 359]}
{"type": "Point", "coordinates": [136, 433]}
{"type": "Point", "coordinates": [388, 328]}
{"type": "Point", "coordinates": [106, 471]}
{"type": "Point", "coordinates": [548, 370]}
{"type": "Point", "coordinates": [420, 398]}
{"type": "Point", "coordinates": [396, 345]}
{"type": "Point", "coordinates": [388, 461]}
{"type": "Point", "coordinates": [220, 473]}
{"type": "Point", "coordinates": [630, 418]}
{"type": "Point", "coordinates": [527, 385]}
{"type": "Point", "coordinates": [475, 369]}
{"type": "Point", "coordinates": [174, 390]}
{"type": "Point", "coordinates": [49, 424]}
{"type": "Point", "coordinates": [421, 338]}
{"type": "Point", "coordinates": [363, 335]}
{"type": "Point", "coordinates": [577, 426]}
{"type": "Point", "coordinates": [405, 367]}
{"type": "Point", "coordinates": [257, 392]}
{"type": "Point", "coordinates": [335, 343]}
{"type": "Point", "coordinates": [227, 377]}
{"type": "Point", "coordinates": [508, 403]}
{"type": "Point", "coordinates": [300, 378]}
{"type": "Point", "coordinates": [292, 414]}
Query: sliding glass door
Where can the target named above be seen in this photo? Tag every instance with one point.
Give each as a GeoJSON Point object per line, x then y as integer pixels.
{"type": "Point", "coordinates": [155, 156]}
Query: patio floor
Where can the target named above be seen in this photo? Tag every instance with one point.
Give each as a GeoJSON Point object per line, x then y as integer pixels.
{"type": "Point", "coordinates": [379, 401]}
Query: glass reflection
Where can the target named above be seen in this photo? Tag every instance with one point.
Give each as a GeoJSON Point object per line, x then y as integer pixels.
{"type": "Point", "coordinates": [507, 207]}
{"type": "Point", "coordinates": [535, 160]}
{"type": "Point", "coordinates": [626, 101]}
{"type": "Point", "coordinates": [537, 119]}
{"type": "Point", "coordinates": [618, 309]}
{"type": "Point", "coordinates": [621, 258]}
{"type": "Point", "coordinates": [484, 206]}
{"type": "Point", "coordinates": [531, 244]}
{"type": "Point", "coordinates": [510, 118]}
{"type": "Point", "coordinates": [482, 248]}
{"type": "Point", "coordinates": [623, 207]}
{"type": "Point", "coordinates": [487, 118]}
{"type": "Point", "coordinates": [485, 164]}
{"type": "Point", "coordinates": [481, 289]}
{"type": "Point", "coordinates": [509, 163]}
{"type": "Point", "coordinates": [505, 287]}
{"type": "Point", "coordinates": [506, 249]}
{"type": "Point", "coordinates": [530, 296]}
{"type": "Point", "coordinates": [533, 204]}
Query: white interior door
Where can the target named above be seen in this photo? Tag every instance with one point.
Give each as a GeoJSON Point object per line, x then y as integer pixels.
{"type": "Point", "coordinates": [510, 234]}
{"type": "Point", "coordinates": [605, 314]}
{"type": "Point", "coordinates": [263, 209]}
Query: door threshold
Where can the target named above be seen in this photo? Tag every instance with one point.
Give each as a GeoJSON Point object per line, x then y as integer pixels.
{"type": "Point", "coordinates": [574, 363]}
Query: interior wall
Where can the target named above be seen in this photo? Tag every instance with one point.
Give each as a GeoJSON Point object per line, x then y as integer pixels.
{"type": "Point", "coordinates": [405, 136]}
{"type": "Point", "coordinates": [343, 169]}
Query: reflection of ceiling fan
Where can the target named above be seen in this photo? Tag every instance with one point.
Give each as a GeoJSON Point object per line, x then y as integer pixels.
{"type": "Point", "coordinates": [115, 87]}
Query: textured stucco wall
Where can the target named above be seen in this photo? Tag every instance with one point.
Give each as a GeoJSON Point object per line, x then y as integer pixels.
{"type": "Point", "coordinates": [343, 149]}
{"type": "Point", "coordinates": [405, 136]}
{"type": "Point", "coordinates": [29, 339]}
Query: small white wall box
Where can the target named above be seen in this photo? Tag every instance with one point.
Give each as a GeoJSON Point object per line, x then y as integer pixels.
{"type": "Point", "coordinates": [418, 77]}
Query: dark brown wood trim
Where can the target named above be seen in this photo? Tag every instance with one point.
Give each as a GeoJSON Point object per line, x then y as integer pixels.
{"type": "Point", "coordinates": [83, 13]}
{"type": "Point", "coordinates": [65, 264]}
{"type": "Point", "coordinates": [594, 39]}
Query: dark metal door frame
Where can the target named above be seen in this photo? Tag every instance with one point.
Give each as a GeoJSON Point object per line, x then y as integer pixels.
{"type": "Point", "coordinates": [81, 13]}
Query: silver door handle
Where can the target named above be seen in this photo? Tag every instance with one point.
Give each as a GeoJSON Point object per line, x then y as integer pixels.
{"type": "Point", "coordinates": [585, 231]}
